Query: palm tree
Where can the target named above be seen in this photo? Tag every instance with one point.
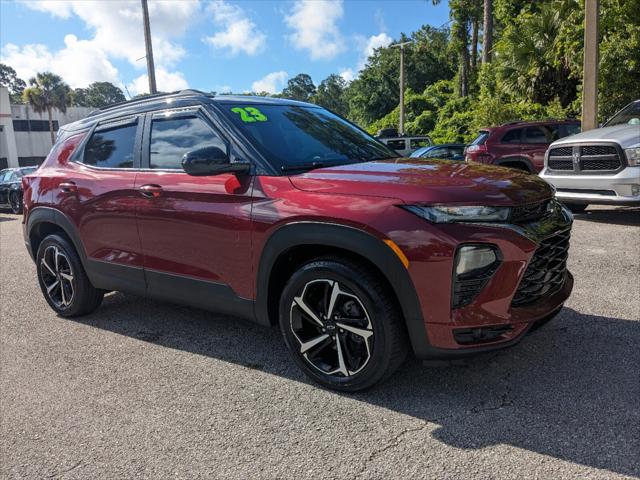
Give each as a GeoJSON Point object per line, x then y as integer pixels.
{"type": "Point", "coordinates": [47, 91]}
{"type": "Point", "coordinates": [487, 31]}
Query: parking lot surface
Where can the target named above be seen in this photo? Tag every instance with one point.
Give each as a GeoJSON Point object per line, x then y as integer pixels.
{"type": "Point", "coordinates": [142, 389]}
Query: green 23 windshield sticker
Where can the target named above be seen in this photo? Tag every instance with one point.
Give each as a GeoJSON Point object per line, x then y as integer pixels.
{"type": "Point", "coordinates": [250, 114]}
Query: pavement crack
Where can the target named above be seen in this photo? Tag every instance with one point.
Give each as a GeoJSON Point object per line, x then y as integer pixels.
{"type": "Point", "coordinates": [393, 443]}
{"type": "Point", "coordinates": [59, 474]}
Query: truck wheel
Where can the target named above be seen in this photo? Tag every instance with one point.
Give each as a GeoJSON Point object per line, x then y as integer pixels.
{"type": "Point", "coordinates": [63, 280]}
{"type": "Point", "coordinates": [341, 325]}
{"type": "Point", "coordinates": [576, 207]}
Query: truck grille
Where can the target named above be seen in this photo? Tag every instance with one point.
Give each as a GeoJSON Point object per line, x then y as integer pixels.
{"type": "Point", "coordinates": [546, 272]}
{"type": "Point", "coordinates": [585, 158]}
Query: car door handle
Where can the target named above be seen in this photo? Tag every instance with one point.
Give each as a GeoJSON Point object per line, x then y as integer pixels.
{"type": "Point", "coordinates": [151, 190]}
{"type": "Point", "coordinates": [68, 187]}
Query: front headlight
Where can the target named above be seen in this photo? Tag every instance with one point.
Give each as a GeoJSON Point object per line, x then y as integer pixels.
{"type": "Point", "coordinates": [633, 156]}
{"type": "Point", "coordinates": [445, 214]}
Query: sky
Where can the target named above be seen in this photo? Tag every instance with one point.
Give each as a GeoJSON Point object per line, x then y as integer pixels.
{"type": "Point", "coordinates": [218, 45]}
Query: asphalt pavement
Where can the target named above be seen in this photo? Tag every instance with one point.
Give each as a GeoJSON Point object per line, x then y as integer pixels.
{"type": "Point", "coordinates": [142, 389]}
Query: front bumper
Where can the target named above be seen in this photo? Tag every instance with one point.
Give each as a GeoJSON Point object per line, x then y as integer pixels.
{"type": "Point", "coordinates": [623, 188]}
{"type": "Point", "coordinates": [492, 309]}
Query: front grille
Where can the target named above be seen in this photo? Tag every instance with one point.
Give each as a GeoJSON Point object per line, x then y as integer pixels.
{"type": "Point", "coordinates": [585, 158]}
{"type": "Point", "coordinates": [609, 193]}
{"type": "Point", "coordinates": [546, 272]}
{"type": "Point", "coordinates": [598, 150]}
{"type": "Point", "coordinates": [530, 212]}
{"type": "Point", "coordinates": [560, 164]}
{"type": "Point", "coordinates": [561, 152]}
{"type": "Point", "coordinates": [603, 164]}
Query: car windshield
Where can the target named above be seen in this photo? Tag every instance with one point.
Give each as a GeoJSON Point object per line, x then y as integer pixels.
{"type": "Point", "coordinates": [629, 115]}
{"type": "Point", "coordinates": [296, 137]}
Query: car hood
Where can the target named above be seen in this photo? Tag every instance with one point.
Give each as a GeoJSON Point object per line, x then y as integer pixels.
{"type": "Point", "coordinates": [625, 135]}
{"type": "Point", "coordinates": [428, 181]}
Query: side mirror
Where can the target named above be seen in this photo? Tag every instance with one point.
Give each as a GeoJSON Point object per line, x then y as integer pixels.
{"type": "Point", "coordinates": [211, 161]}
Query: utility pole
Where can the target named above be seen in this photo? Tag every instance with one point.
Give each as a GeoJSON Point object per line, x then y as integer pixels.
{"type": "Point", "coordinates": [590, 65]}
{"type": "Point", "coordinates": [401, 47]}
{"type": "Point", "coordinates": [151, 71]}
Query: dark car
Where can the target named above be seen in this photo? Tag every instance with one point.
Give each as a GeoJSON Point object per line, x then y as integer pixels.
{"type": "Point", "coordinates": [283, 213]}
{"type": "Point", "coordinates": [447, 151]}
{"type": "Point", "coordinates": [519, 145]}
{"type": "Point", "coordinates": [11, 187]}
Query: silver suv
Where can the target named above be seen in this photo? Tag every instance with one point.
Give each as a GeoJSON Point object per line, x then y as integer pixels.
{"type": "Point", "coordinates": [600, 166]}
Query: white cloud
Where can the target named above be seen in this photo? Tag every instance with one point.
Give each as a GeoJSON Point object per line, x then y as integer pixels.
{"type": "Point", "coordinates": [117, 26]}
{"type": "Point", "coordinates": [370, 45]}
{"type": "Point", "coordinates": [240, 33]}
{"type": "Point", "coordinates": [348, 74]}
{"type": "Point", "coordinates": [165, 81]}
{"type": "Point", "coordinates": [314, 28]}
{"type": "Point", "coordinates": [78, 63]}
{"type": "Point", "coordinates": [271, 83]}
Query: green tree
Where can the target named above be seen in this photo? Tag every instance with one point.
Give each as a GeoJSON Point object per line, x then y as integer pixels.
{"type": "Point", "coordinates": [300, 87]}
{"type": "Point", "coordinates": [46, 92]}
{"type": "Point", "coordinates": [330, 94]}
{"type": "Point", "coordinates": [97, 95]}
{"type": "Point", "coordinates": [15, 85]}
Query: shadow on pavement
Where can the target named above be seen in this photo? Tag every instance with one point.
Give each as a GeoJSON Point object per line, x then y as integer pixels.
{"type": "Point", "coordinates": [7, 218]}
{"type": "Point", "coordinates": [569, 390]}
{"type": "Point", "coordinates": [616, 215]}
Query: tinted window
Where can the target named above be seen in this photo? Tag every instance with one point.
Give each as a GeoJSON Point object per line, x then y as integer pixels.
{"type": "Point", "coordinates": [481, 138]}
{"type": "Point", "coordinates": [171, 138]}
{"type": "Point", "coordinates": [290, 135]}
{"type": "Point", "coordinates": [396, 144]}
{"type": "Point", "coordinates": [512, 136]}
{"type": "Point", "coordinates": [4, 176]}
{"type": "Point", "coordinates": [112, 147]}
{"type": "Point", "coordinates": [419, 142]}
{"type": "Point", "coordinates": [535, 135]}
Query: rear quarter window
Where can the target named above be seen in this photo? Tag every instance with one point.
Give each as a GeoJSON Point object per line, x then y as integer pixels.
{"type": "Point", "coordinates": [396, 144]}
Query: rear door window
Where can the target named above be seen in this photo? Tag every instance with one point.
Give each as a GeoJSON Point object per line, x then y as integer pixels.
{"type": "Point", "coordinates": [512, 136]}
{"type": "Point", "coordinates": [112, 145]}
{"type": "Point", "coordinates": [419, 142]}
{"type": "Point", "coordinates": [536, 135]}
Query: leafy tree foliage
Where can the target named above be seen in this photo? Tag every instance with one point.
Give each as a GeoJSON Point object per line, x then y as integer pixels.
{"type": "Point", "coordinates": [96, 95]}
{"type": "Point", "coordinates": [46, 92]}
{"type": "Point", "coordinates": [331, 94]}
{"type": "Point", "coordinates": [9, 79]}
{"type": "Point", "coordinates": [300, 87]}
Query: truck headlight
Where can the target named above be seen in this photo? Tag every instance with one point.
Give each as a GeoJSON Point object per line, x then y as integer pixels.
{"type": "Point", "coordinates": [633, 156]}
{"type": "Point", "coordinates": [445, 214]}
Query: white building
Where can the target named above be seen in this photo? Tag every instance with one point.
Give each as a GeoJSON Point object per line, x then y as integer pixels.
{"type": "Point", "coordinates": [24, 135]}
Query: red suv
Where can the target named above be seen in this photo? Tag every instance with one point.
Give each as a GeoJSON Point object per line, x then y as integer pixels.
{"type": "Point", "coordinates": [284, 213]}
{"type": "Point", "coordinates": [519, 145]}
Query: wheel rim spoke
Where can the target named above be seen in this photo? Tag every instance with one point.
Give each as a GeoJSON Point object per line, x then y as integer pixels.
{"type": "Point", "coordinates": [342, 367]}
{"type": "Point", "coordinates": [46, 265]}
{"type": "Point", "coordinates": [52, 286]}
{"type": "Point", "coordinates": [306, 346]}
{"type": "Point", "coordinates": [335, 291]}
{"type": "Point", "coordinates": [305, 308]}
{"type": "Point", "coordinates": [66, 276]}
{"type": "Point", "coordinates": [358, 331]}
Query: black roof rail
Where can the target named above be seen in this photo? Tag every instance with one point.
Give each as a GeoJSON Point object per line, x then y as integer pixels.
{"type": "Point", "coordinates": [146, 98]}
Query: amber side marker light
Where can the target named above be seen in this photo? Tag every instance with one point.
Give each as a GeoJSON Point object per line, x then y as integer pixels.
{"type": "Point", "coordinates": [396, 249]}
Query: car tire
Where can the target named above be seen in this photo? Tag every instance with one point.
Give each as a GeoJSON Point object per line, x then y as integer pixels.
{"type": "Point", "coordinates": [63, 281]}
{"type": "Point", "coordinates": [15, 200]}
{"type": "Point", "coordinates": [576, 207]}
{"type": "Point", "coordinates": [341, 324]}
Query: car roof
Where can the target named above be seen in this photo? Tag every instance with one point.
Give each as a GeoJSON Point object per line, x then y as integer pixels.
{"type": "Point", "coordinates": [529, 123]}
{"type": "Point", "coordinates": [178, 99]}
